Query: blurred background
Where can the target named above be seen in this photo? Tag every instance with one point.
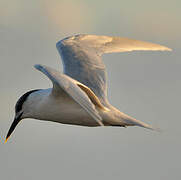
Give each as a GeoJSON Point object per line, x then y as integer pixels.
{"type": "Point", "coordinates": [145, 85]}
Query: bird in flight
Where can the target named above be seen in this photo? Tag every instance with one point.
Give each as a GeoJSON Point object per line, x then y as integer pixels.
{"type": "Point", "coordinates": [79, 94]}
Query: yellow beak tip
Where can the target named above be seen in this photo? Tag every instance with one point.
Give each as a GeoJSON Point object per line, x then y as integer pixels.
{"type": "Point", "coordinates": [6, 140]}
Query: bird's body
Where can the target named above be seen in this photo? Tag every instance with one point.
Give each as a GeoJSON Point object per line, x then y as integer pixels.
{"type": "Point", "coordinates": [63, 109]}
{"type": "Point", "coordinates": [60, 109]}
{"type": "Point", "coordinates": [79, 96]}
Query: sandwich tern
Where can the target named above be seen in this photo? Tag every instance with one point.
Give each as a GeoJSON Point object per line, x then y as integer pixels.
{"type": "Point", "coordinates": [79, 95]}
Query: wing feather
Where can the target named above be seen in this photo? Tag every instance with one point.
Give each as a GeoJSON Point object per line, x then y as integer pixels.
{"type": "Point", "coordinates": [61, 81]}
{"type": "Point", "coordinates": [81, 55]}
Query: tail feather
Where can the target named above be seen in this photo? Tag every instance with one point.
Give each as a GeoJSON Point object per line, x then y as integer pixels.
{"type": "Point", "coordinates": [147, 126]}
{"type": "Point", "coordinates": [129, 121]}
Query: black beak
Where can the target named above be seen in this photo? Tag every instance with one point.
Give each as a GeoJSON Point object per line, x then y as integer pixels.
{"type": "Point", "coordinates": [13, 125]}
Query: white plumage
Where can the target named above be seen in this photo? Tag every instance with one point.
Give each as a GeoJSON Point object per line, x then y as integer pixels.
{"type": "Point", "coordinates": [79, 96]}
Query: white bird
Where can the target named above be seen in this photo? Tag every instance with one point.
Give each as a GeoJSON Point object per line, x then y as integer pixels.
{"type": "Point", "coordinates": [79, 96]}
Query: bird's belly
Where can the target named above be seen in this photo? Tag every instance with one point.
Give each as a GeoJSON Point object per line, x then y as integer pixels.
{"type": "Point", "coordinates": [68, 113]}
{"type": "Point", "coordinates": [75, 116]}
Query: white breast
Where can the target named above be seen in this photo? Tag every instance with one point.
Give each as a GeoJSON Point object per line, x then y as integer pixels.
{"type": "Point", "coordinates": [61, 109]}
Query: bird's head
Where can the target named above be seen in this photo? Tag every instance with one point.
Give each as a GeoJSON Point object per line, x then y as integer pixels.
{"type": "Point", "coordinates": [20, 112]}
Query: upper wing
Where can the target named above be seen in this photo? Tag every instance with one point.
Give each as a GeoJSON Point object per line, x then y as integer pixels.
{"type": "Point", "coordinates": [81, 55]}
{"type": "Point", "coordinates": [70, 86]}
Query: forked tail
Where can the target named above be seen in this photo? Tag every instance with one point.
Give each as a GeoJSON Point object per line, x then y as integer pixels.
{"type": "Point", "coordinates": [130, 121]}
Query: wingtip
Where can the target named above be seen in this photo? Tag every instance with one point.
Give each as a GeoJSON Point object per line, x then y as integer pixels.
{"type": "Point", "coordinates": [160, 48]}
{"type": "Point", "coordinates": [58, 44]}
{"type": "Point", "coordinates": [167, 49]}
{"type": "Point", "coordinates": [163, 48]}
{"type": "Point", "coordinates": [38, 66]}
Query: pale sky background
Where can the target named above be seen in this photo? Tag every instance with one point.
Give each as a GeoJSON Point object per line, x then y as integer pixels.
{"type": "Point", "coordinates": [146, 85]}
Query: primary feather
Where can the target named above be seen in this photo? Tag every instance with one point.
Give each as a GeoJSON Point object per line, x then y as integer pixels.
{"type": "Point", "coordinates": [81, 56]}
